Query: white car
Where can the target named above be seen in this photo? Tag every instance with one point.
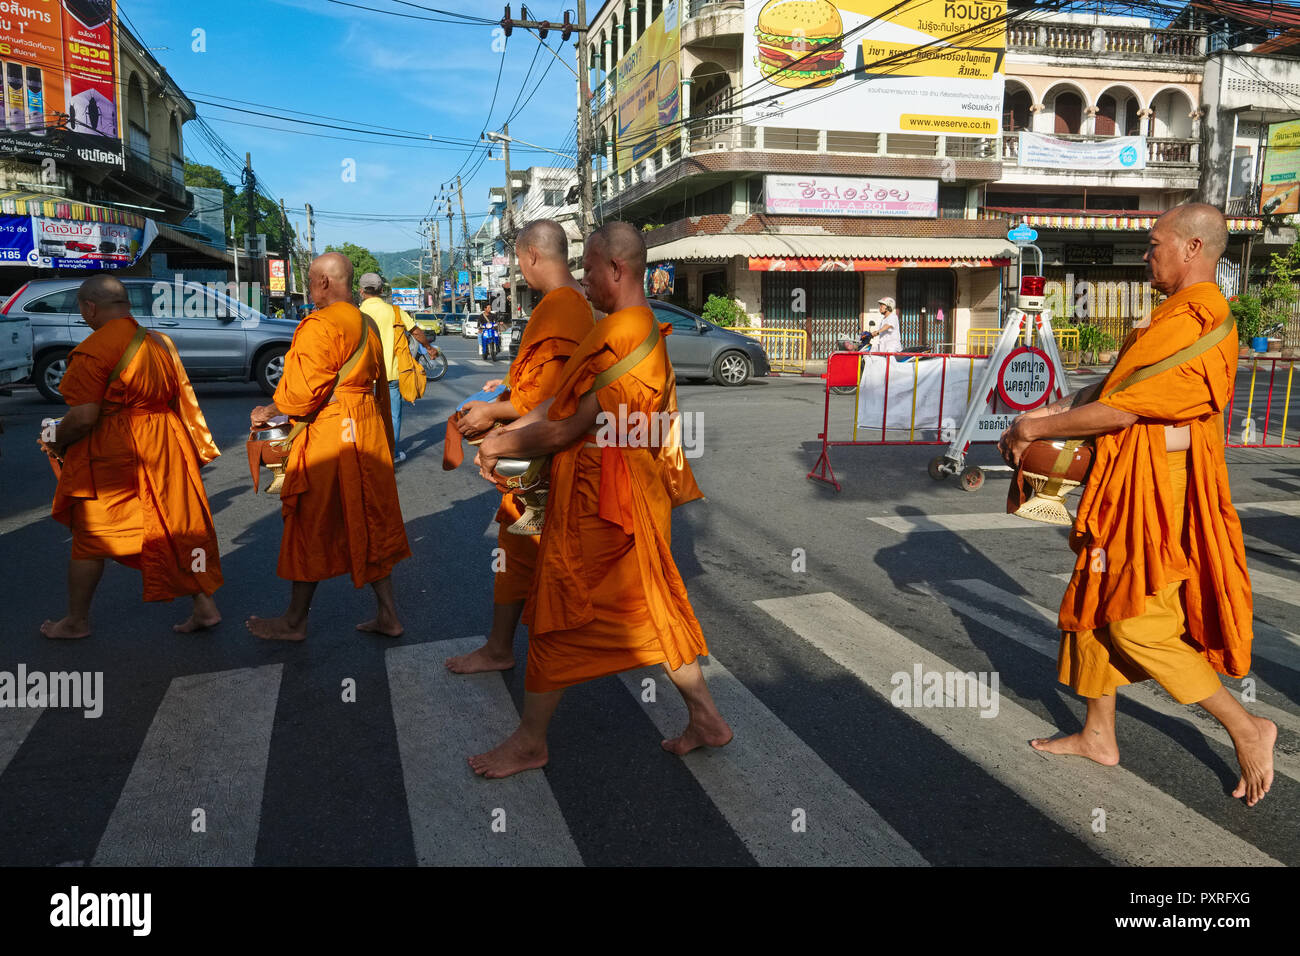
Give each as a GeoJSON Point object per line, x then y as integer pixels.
{"type": "Point", "coordinates": [470, 330]}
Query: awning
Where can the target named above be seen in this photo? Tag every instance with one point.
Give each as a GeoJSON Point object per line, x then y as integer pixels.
{"type": "Point", "coordinates": [1105, 222]}
{"type": "Point", "coordinates": [836, 253]}
{"type": "Point", "coordinates": [15, 202]}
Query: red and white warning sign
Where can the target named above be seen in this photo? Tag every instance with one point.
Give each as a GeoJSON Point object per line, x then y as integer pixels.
{"type": "Point", "coordinates": [1026, 378]}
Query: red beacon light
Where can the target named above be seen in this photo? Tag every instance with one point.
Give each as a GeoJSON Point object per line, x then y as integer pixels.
{"type": "Point", "coordinates": [1032, 293]}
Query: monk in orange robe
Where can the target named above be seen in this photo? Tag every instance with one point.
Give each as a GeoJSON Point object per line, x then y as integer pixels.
{"type": "Point", "coordinates": [607, 596]}
{"type": "Point", "coordinates": [132, 444]}
{"type": "Point", "coordinates": [559, 322]}
{"type": "Point", "coordinates": [1159, 587]}
{"type": "Point", "coordinates": [339, 498]}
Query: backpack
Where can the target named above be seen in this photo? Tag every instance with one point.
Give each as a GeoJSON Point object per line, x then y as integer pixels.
{"type": "Point", "coordinates": [411, 379]}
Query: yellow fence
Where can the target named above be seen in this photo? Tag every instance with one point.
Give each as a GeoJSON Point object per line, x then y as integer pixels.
{"type": "Point", "coordinates": [983, 341]}
{"type": "Point", "coordinates": [787, 349]}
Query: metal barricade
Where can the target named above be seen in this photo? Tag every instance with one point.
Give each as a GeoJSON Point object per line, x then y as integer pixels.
{"type": "Point", "coordinates": [1263, 414]}
{"type": "Point", "coordinates": [844, 377]}
{"type": "Point", "coordinates": [982, 341]}
{"type": "Point", "coordinates": [787, 349]}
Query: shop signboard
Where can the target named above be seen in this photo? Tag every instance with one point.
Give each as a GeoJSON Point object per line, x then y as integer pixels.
{"type": "Point", "coordinates": [851, 196]}
{"type": "Point", "coordinates": [647, 85]}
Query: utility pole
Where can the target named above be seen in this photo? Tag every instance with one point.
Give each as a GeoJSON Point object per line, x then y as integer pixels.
{"type": "Point", "coordinates": [512, 309]}
{"type": "Point", "coordinates": [288, 256]}
{"type": "Point", "coordinates": [567, 29]}
{"type": "Point", "coordinates": [311, 232]}
{"type": "Point", "coordinates": [464, 229]}
{"type": "Point", "coordinates": [249, 179]}
{"type": "Point", "coordinates": [436, 269]}
{"type": "Point", "coordinates": [584, 126]}
{"type": "Point", "coordinates": [451, 255]}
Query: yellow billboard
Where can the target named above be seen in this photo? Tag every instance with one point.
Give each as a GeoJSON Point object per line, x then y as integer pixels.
{"type": "Point", "coordinates": [1280, 189]}
{"type": "Point", "coordinates": [648, 90]}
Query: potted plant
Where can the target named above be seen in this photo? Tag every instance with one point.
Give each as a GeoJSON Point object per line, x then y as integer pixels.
{"type": "Point", "coordinates": [1092, 341]}
{"type": "Point", "coordinates": [725, 311]}
{"type": "Point", "coordinates": [1248, 311]}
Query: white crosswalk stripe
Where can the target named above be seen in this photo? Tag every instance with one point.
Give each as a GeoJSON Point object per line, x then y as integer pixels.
{"type": "Point", "coordinates": [441, 718]}
{"type": "Point", "coordinates": [15, 725]}
{"type": "Point", "coordinates": [1045, 641]}
{"type": "Point", "coordinates": [766, 775]}
{"type": "Point", "coordinates": [1145, 826]}
{"type": "Point", "coordinates": [1274, 586]}
{"type": "Point", "coordinates": [197, 758]}
{"type": "Point", "coordinates": [994, 521]}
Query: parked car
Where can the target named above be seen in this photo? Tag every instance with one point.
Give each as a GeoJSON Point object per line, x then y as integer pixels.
{"type": "Point", "coordinates": [15, 347]}
{"type": "Point", "coordinates": [453, 321]}
{"type": "Point", "coordinates": [699, 349]}
{"type": "Point", "coordinates": [227, 341]}
{"type": "Point", "coordinates": [429, 321]}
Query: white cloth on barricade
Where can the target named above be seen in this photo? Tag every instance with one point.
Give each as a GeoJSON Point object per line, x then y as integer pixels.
{"type": "Point", "coordinates": [921, 379]}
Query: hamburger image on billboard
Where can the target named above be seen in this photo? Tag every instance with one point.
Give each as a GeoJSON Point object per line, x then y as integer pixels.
{"type": "Point", "coordinates": [668, 93]}
{"type": "Point", "coordinates": [799, 43]}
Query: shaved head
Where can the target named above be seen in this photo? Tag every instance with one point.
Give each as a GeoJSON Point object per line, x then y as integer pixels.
{"type": "Point", "coordinates": [330, 278]}
{"type": "Point", "coordinates": [621, 241]}
{"type": "Point", "coordinates": [1198, 220]}
{"type": "Point", "coordinates": [547, 237]}
{"type": "Point", "coordinates": [101, 299]}
{"type": "Point", "coordinates": [103, 290]}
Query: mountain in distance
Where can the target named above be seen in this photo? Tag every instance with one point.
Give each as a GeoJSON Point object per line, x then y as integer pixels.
{"type": "Point", "coordinates": [394, 264]}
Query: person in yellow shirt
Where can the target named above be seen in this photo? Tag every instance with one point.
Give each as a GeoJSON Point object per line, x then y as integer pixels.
{"type": "Point", "coordinates": [386, 317]}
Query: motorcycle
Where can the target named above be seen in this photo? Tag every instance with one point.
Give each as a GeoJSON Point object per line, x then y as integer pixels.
{"type": "Point", "coordinates": [489, 340]}
{"type": "Point", "coordinates": [862, 344]}
{"type": "Point", "coordinates": [431, 359]}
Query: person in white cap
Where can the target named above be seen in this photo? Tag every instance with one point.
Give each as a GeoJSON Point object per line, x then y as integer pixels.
{"type": "Point", "coordinates": [386, 317]}
{"type": "Point", "coordinates": [887, 338]}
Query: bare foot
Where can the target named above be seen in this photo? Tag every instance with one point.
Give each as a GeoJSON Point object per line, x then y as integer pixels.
{"type": "Point", "coordinates": [66, 629]}
{"type": "Point", "coordinates": [1090, 745]}
{"type": "Point", "coordinates": [204, 616]}
{"type": "Point", "coordinates": [276, 629]}
{"type": "Point", "coordinates": [714, 732]}
{"type": "Point", "coordinates": [383, 624]}
{"type": "Point", "coordinates": [476, 662]}
{"type": "Point", "coordinates": [1256, 759]}
{"type": "Point", "coordinates": [512, 755]}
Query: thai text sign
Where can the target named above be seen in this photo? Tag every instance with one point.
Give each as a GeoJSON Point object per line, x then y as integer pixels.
{"type": "Point", "coordinates": [932, 67]}
{"type": "Point", "coordinates": [1280, 188]}
{"type": "Point", "coordinates": [851, 196]}
{"type": "Point", "coordinates": [1118, 152]}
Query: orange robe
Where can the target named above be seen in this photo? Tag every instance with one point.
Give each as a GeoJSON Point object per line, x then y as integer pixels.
{"type": "Point", "coordinates": [130, 490]}
{"type": "Point", "coordinates": [559, 322]}
{"type": "Point", "coordinates": [339, 498]}
{"type": "Point", "coordinates": [1126, 534]}
{"type": "Point", "coordinates": [607, 595]}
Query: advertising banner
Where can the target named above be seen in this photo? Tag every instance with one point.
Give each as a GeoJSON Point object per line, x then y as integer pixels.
{"type": "Point", "coordinates": [928, 66]}
{"type": "Point", "coordinates": [851, 196]}
{"type": "Point", "coordinates": [1119, 152]}
{"type": "Point", "coordinates": [58, 61]}
{"type": "Point", "coordinates": [406, 298]}
{"type": "Point", "coordinates": [277, 276]}
{"type": "Point", "coordinates": [648, 90]}
{"type": "Point", "coordinates": [660, 278]}
{"type": "Point", "coordinates": [52, 233]}
{"type": "Point", "coordinates": [1280, 187]}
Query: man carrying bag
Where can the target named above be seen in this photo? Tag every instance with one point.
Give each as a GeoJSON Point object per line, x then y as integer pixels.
{"type": "Point", "coordinates": [406, 379]}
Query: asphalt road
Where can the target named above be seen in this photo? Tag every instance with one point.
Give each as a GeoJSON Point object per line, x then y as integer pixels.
{"type": "Point", "coordinates": [819, 606]}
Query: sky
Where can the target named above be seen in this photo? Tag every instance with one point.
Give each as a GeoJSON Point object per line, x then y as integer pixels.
{"type": "Point", "coordinates": [352, 67]}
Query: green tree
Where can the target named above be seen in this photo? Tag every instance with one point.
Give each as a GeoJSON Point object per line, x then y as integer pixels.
{"type": "Point", "coordinates": [408, 281]}
{"type": "Point", "coordinates": [363, 260]}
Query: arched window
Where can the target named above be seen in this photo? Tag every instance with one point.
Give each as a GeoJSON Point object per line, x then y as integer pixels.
{"type": "Point", "coordinates": [1106, 110]}
{"type": "Point", "coordinates": [1068, 111]}
{"type": "Point", "coordinates": [1132, 122]}
{"type": "Point", "coordinates": [1015, 110]}
{"type": "Point", "coordinates": [137, 121]}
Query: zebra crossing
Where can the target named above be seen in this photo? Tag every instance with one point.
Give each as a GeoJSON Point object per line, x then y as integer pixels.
{"type": "Point", "coordinates": [783, 797]}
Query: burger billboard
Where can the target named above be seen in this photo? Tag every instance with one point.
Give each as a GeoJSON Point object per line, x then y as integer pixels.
{"type": "Point", "coordinates": [928, 66]}
{"type": "Point", "coordinates": [58, 81]}
{"type": "Point", "coordinates": [648, 90]}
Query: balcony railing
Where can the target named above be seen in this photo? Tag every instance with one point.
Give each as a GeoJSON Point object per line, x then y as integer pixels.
{"type": "Point", "coordinates": [1160, 152]}
{"type": "Point", "coordinates": [1142, 42]}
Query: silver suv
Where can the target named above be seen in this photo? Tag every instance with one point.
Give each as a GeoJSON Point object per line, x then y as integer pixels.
{"type": "Point", "coordinates": [218, 338]}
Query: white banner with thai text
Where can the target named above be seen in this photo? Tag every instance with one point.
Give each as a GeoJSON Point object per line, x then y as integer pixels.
{"type": "Point", "coordinates": [1117, 152]}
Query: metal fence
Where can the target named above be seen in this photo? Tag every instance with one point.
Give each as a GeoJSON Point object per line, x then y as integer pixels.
{"type": "Point", "coordinates": [1259, 416]}
{"type": "Point", "coordinates": [982, 341]}
{"type": "Point", "coordinates": [787, 349]}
